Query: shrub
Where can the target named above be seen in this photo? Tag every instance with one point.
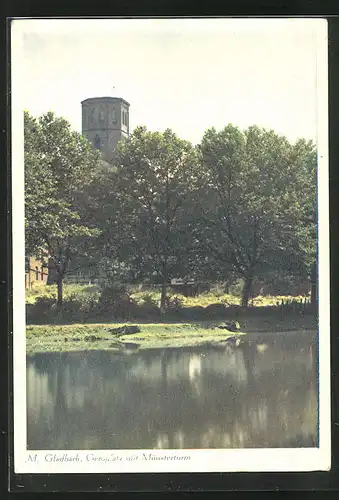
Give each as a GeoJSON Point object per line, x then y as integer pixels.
{"type": "Point", "coordinates": [218, 290]}
{"type": "Point", "coordinates": [174, 304]}
{"type": "Point", "coordinates": [78, 308]}
{"type": "Point", "coordinates": [216, 310]}
{"type": "Point", "coordinates": [194, 312]}
{"type": "Point", "coordinates": [71, 309]}
{"type": "Point", "coordinates": [236, 288]}
{"type": "Point", "coordinates": [40, 310]}
{"type": "Point", "coordinates": [116, 302]}
{"type": "Point", "coordinates": [149, 299]}
{"type": "Point", "coordinates": [147, 311]}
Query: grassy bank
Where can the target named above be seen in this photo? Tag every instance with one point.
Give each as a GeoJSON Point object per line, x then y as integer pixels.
{"type": "Point", "coordinates": [155, 335]}
{"type": "Point", "coordinates": [88, 314]}
{"type": "Point", "coordinates": [90, 304]}
{"type": "Point", "coordinates": [216, 296]}
{"type": "Point", "coordinates": [78, 337]}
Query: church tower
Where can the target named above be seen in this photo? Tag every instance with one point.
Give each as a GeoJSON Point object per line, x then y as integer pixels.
{"type": "Point", "coordinates": [105, 122]}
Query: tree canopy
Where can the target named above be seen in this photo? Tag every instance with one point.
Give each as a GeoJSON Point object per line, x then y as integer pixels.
{"type": "Point", "coordinates": [157, 175]}
{"type": "Point", "coordinates": [258, 214]}
{"type": "Point", "coordinates": [59, 167]}
{"type": "Point", "coordinates": [240, 205]}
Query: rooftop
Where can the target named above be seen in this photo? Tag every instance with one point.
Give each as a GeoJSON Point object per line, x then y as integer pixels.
{"type": "Point", "coordinates": [107, 98]}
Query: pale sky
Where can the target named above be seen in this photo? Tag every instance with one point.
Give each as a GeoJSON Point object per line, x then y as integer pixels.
{"type": "Point", "coordinates": [183, 74]}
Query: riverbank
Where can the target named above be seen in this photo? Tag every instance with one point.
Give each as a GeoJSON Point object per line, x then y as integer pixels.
{"type": "Point", "coordinates": [42, 338]}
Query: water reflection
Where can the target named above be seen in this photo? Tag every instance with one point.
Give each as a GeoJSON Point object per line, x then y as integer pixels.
{"type": "Point", "coordinates": [171, 398]}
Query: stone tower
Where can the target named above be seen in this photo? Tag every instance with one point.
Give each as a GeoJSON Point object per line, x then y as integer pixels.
{"type": "Point", "coordinates": [105, 122]}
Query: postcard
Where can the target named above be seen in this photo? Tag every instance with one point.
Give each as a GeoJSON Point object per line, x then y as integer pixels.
{"type": "Point", "coordinates": [170, 245]}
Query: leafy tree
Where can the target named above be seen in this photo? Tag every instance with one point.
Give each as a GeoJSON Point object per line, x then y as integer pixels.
{"type": "Point", "coordinates": [100, 260]}
{"type": "Point", "coordinates": [59, 167]}
{"type": "Point", "coordinates": [157, 175]}
{"type": "Point", "coordinates": [258, 213]}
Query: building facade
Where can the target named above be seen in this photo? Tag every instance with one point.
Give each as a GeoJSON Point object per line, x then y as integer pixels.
{"type": "Point", "coordinates": [105, 122]}
{"type": "Point", "coordinates": [35, 272]}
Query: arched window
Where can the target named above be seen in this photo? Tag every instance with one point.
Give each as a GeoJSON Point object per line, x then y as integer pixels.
{"type": "Point", "coordinates": [36, 273]}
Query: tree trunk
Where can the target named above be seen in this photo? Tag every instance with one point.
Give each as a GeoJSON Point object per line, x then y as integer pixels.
{"type": "Point", "coordinates": [246, 291]}
{"type": "Point", "coordinates": [163, 290]}
{"type": "Point", "coordinates": [60, 290]}
{"type": "Point", "coordinates": [163, 298]}
{"type": "Point", "coordinates": [52, 274]}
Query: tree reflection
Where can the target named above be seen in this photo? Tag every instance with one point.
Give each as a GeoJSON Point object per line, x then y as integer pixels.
{"type": "Point", "coordinates": [172, 398]}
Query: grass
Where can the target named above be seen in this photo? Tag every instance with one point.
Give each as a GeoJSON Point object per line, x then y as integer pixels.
{"type": "Point", "coordinates": [67, 337]}
{"type": "Point", "coordinates": [90, 304]}
{"type": "Point", "coordinates": [203, 300]}
{"type": "Point", "coordinates": [152, 335]}
{"type": "Point", "coordinates": [174, 332]}
{"type": "Point", "coordinates": [39, 290]}
{"type": "Point", "coordinates": [208, 298]}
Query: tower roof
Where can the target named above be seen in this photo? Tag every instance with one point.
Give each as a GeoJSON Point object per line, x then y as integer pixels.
{"type": "Point", "coordinates": [107, 98]}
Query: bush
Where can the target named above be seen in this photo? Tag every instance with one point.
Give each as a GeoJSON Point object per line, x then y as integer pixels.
{"type": "Point", "coordinates": [84, 303]}
{"type": "Point", "coordinates": [79, 304]}
{"type": "Point", "coordinates": [149, 299]}
{"type": "Point", "coordinates": [218, 290]}
{"type": "Point", "coordinates": [147, 311]}
{"type": "Point", "coordinates": [174, 304]}
{"type": "Point", "coordinates": [216, 310]}
{"type": "Point", "coordinates": [237, 288]}
{"type": "Point", "coordinates": [40, 310]}
{"type": "Point", "coordinates": [117, 303]}
{"type": "Point", "coordinates": [78, 308]}
{"type": "Point", "coordinates": [194, 312]}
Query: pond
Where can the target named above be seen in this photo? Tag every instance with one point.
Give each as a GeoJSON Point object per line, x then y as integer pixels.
{"type": "Point", "coordinates": [207, 397]}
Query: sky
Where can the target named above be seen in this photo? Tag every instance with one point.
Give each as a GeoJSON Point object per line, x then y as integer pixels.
{"type": "Point", "coordinates": [183, 74]}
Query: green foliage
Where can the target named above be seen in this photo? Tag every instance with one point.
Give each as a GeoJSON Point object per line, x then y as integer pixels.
{"type": "Point", "coordinates": [92, 304]}
{"type": "Point", "coordinates": [115, 302]}
{"type": "Point", "coordinates": [238, 209]}
{"type": "Point", "coordinates": [155, 178]}
{"type": "Point", "coordinates": [174, 304]}
{"type": "Point", "coordinates": [42, 338]}
{"type": "Point", "coordinates": [70, 290]}
{"type": "Point", "coordinates": [150, 299]}
{"type": "Point", "coordinates": [80, 303]}
{"type": "Point", "coordinates": [59, 167]}
{"type": "Point", "coordinates": [258, 212]}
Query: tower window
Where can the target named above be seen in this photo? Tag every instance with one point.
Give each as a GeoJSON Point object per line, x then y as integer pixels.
{"type": "Point", "coordinates": [124, 118]}
{"type": "Point", "coordinates": [114, 116]}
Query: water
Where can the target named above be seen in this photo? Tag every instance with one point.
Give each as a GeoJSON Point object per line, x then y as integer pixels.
{"type": "Point", "coordinates": [173, 398]}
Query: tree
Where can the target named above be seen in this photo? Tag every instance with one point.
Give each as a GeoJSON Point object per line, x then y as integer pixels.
{"type": "Point", "coordinates": [59, 166]}
{"type": "Point", "coordinates": [259, 210]}
{"type": "Point", "coordinates": [100, 260]}
{"type": "Point", "coordinates": [157, 174]}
